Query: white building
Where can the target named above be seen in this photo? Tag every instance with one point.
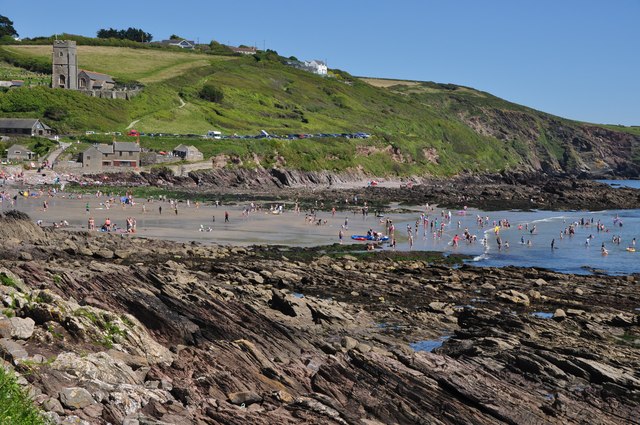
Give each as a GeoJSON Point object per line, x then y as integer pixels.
{"type": "Point", "coordinates": [317, 67]}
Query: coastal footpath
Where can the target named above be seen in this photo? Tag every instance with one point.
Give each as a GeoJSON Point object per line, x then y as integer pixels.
{"type": "Point", "coordinates": [103, 328]}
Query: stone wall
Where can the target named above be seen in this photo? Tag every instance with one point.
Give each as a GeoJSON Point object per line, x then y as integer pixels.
{"type": "Point", "coordinates": [112, 94]}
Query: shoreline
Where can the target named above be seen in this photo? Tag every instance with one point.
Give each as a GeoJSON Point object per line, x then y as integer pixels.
{"type": "Point", "coordinates": [255, 223]}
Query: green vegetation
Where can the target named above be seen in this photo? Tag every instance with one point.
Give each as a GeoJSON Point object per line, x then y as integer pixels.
{"type": "Point", "coordinates": [16, 408]}
{"type": "Point", "coordinates": [7, 281]}
{"type": "Point", "coordinates": [111, 331]}
{"type": "Point", "coordinates": [417, 127]}
{"type": "Point", "coordinates": [211, 93]}
{"type": "Point", "coordinates": [133, 34]}
{"type": "Point", "coordinates": [6, 27]}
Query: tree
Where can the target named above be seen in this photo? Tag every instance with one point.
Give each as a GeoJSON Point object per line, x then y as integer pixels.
{"type": "Point", "coordinates": [6, 27]}
{"type": "Point", "coordinates": [133, 34]}
{"type": "Point", "coordinates": [175, 37]}
{"type": "Point", "coordinates": [211, 93]}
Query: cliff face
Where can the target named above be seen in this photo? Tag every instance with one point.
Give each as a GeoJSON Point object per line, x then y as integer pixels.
{"type": "Point", "coordinates": [555, 147]}
{"type": "Point", "coordinates": [103, 329]}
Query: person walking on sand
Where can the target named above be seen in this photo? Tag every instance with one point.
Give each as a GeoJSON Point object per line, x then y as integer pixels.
{"type": "Point", "coordinates": [160, 209]}
{"type": "Point", "coordinates": [553, 243]}
{"type": "Point", "coordinates": [226, 216]}
{"type": "Point", "coordinates": [340, 235]}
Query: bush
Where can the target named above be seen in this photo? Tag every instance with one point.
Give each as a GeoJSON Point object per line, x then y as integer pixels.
{"type": "Point", "coordinates": [56, 113]}
{"type": "Point", "coordinates": [211, 93]}
{"type": "Point", "coordinates": [16, 408]}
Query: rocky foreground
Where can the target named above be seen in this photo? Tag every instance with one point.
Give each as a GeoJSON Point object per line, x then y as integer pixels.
{"type": "Point", "coordinates": [107, 329]}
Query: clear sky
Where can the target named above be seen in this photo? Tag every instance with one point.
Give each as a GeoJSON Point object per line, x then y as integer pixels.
{"type": "Point", "coordinates": [579, 59]}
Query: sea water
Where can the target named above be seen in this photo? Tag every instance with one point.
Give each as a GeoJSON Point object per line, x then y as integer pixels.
{"type": "Point", "coordinates": [634, 184]}
{"type": "Point", "coordinates": [580, 253]}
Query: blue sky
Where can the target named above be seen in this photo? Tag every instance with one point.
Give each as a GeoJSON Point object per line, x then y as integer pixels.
{"type": "Point", "coordinates": [576, 59]}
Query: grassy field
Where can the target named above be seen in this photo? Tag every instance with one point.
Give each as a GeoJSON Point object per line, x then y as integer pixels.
{"type": "Point", "coordinates": [145, 66]}
{"type": "Point", "coordinates": [417, 127]}
{"type": "Point", "coordinates": [386, 83]}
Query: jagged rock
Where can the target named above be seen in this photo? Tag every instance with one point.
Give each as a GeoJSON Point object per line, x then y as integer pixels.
{"type": "Point", "coordinates": [514, 297]}
{"type": "Point", "coordinates": [107, 254]}
{"type": "Point", "coordinates": [12, 350]}
{"type": "Point", "coordinates": [244, 397]}
{"type": "Point", "coordinates": [559, 314]}
{"type": "Point", "coordinates": [349, 343]}
{"type": "Point", "coordinates": [287, 276]}
{"type": "Point", "coordinates": [6, 328]}
{"type": "Point", "coordinates": [606, 373]}
{"type": "Point", "coordinates": [13, 280]}
{"type": "Point", "coordinates": [85, 251]}
{"type": "Point", "coordinates": [93, 410]}
{"type": "Point", "coordinates": [96, 366]}
{"type": "Point", "coordinates": [21, 328]}
{"type": "Point", "coordinates": [52, 417]}
{"type": "Point", "coordinates": [540, 282]}
{"type": "Point", "coordinates": [53, 405]}
{"type": "Point", "coordinates": [76, 398]}
{"type": "Point", "coordinates": [121, 253]}
{"type": "Point", "coordinates": [440, 307]}
{"type": "Point", "coordinates": [73, 420]}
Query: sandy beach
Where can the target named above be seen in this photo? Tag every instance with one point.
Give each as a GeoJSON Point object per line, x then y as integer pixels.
{"type": "Point", "coordinates": [257, 227]}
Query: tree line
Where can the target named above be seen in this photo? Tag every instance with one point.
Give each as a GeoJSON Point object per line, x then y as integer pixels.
{"type": "Point", "coordinates": [133, 34]}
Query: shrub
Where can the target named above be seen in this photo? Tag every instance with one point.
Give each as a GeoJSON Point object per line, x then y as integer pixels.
{"type": "Point", "coordinates": [56, 113]}
{"type": "Point", "coordinates": [16, 408]}
{"type": "Point", "coordinates": [211, 93]}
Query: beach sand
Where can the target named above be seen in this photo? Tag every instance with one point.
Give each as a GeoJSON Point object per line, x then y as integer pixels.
{"type": "Point", "coordinates": [260, 227]}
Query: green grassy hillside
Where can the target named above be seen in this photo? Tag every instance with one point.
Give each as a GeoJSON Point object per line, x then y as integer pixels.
{"type": "Point", "coordinates": [418, 127]}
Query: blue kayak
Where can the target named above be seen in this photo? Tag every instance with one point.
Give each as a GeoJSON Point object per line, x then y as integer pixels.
{"type": "Point", "coordinates": [369, 238]}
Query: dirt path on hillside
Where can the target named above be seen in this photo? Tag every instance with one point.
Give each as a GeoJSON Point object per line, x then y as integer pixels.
{"type": "Point", "coordinates": [132, 124]}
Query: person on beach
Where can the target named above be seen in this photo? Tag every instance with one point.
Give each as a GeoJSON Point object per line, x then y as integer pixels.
{"type": "Point", "coordinates": [86, 208]}
{"type": "Point", "coordinates": [160, 209]}
{"type": "Point", "coordinates": [226, 216]}
{"type": "Point", "coordinates": [91, 224]}
{"type": "Point", "coordinates": [340, 235]}
{"type": "Point", "coordinates": [553, 243]}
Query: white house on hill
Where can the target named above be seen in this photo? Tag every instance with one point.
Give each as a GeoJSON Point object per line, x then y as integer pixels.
{"type": "Point", "coordinates": [317, 67]}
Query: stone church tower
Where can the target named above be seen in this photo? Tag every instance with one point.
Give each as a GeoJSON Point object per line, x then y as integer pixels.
{"type": "Point", "coordinates": [65, 65]}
